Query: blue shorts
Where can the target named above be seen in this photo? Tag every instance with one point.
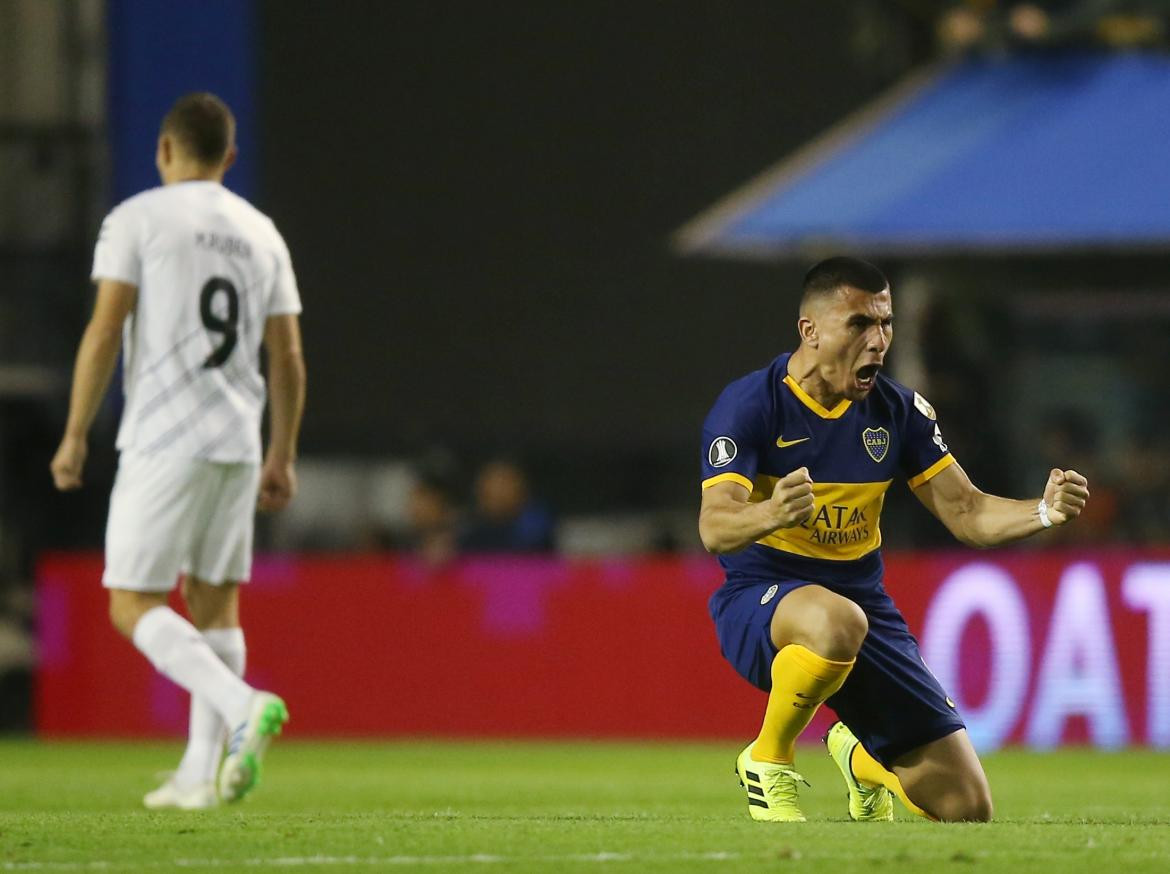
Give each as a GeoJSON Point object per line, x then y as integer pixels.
{"type": "Point", "coordinates": [891, 700]}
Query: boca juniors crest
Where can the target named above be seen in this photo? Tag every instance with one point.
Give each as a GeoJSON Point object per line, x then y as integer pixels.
{"type": "Point", "coordinates": [876, 442]}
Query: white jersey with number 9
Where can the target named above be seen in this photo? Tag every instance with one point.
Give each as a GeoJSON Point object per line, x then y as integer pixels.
{"type": "Point", "coordinates": [210, 269]}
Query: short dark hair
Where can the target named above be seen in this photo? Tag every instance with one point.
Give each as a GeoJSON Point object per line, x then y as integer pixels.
{"type": "Point", "coordinates": [825, 277]}
{"type": "Point", "coordinates": [203, 125]}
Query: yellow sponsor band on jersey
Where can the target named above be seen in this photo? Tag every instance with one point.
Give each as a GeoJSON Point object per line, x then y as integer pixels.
{"type": "Point", "coordinates": [932, 471]}
{"type": "Point", "coordinates": [728, 478]}
{"type": "Point", "coordinates": [844, 525]}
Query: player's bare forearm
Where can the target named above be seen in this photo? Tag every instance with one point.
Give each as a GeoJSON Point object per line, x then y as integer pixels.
{"type": "Point", "coordinates": [994, 521]}
{"type": "Point", "coordinates": [981, 520]}
{"type": "Point", "coordinates": [286, 400]}
{"type": "Point", "coordinates": [728, 521]}
{"type": "Point", "coordinates": [286, 387]}
{"type": "Point", "coordinates": [286, 382]}
{"type": "Point", "coordinates": [97, 355]}
{"type": "Point", "coordinates": [729, 526]}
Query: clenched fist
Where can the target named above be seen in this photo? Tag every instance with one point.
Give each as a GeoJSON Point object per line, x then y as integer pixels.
{"type": "Point", "coordinates": [1065, 494]}
{"type": "Point", "coordinates": [68, 463]}
{"type": "Point", "coordinates": [278, 485]}
{"type": "Point", "coordinates": [792, 499]}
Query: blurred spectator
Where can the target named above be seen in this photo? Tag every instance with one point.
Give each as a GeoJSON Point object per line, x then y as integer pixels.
{"type": "Point", "coordinates": [506, 518]}
{"type": "Point", "coordinates": [432, 512]}
{"type": "Point", "coordinates": [1114, 23]}
{"type": "Point", "coordinates": [433, 522]}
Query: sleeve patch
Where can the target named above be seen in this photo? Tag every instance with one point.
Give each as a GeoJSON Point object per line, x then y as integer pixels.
{"type": "Point", "coordinates": [924, 406]}
{"type": "Point", "coordinates": [938, 439]}
{"type": "Point", "coordinates": [722, 452]}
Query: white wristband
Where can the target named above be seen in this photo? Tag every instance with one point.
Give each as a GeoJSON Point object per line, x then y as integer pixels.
{"type": "Point", "coordinates": [1042, 509]}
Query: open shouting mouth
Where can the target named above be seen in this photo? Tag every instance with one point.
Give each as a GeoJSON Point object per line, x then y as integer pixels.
{"type": "Point", "coordinates": [866, 376]}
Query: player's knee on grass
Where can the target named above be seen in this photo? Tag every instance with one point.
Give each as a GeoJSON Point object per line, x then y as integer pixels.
{"type": "Point", "coordinates": [951, 797]}
{"type": "Point", "coordinates": [946, 779]}
{"type": "Point", "coordinates": [967, 802]}
{"type": "Point", "coordinates": [831, 626]}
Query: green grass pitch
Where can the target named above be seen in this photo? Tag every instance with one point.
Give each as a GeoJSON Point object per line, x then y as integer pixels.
{"type": "Point", "coordinates": [560, 807]}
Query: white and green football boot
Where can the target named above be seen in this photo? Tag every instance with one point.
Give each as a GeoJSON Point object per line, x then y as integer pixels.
{"type": "Point", "coordinates": [240, 771]}
{"type": "Point", "coordinates": [171, 796]}
{"type": "Point", "coordinates": [866, 803]}
{"type": "Point", "coordinates": [771, 789]}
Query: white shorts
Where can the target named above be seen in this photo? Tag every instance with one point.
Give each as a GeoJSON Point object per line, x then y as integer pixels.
{"type": "Point", "coordinates": [171, 516]}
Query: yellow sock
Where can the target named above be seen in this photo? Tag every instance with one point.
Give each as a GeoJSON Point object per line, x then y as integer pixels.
{"type": "Point", "coordinates": [801, 680]}
{"type": "Point", "coordinates": [869, 770]}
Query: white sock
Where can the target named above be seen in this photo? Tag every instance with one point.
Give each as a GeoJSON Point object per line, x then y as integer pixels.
{"type": "Point", "coordinates": [179, 653]}
{"type": "Point", "coordinates": [208, 731]}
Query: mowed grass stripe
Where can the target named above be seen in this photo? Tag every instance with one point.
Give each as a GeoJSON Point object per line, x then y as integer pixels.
{"type": "Point", "coordinates": [371, 861]}
{"type": "Point", "coordinates": [558, 806]}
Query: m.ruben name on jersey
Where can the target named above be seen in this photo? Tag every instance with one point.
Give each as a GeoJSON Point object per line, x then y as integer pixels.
{"type": "Point", "coordinates": [223, 244]}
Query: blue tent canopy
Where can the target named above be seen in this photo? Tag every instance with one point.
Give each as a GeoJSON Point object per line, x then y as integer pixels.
{"type": "Point", "coordinates": [1026, 153]}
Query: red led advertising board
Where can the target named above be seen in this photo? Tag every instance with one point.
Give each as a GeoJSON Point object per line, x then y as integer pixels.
{"type": "Point", "coordinates": [1040, 648]}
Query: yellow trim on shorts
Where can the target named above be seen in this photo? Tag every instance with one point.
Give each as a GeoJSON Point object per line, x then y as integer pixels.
{"type": "Point", "coordinates": [932, 471]}
{"type": "Point", "coordinates": [729, 478]}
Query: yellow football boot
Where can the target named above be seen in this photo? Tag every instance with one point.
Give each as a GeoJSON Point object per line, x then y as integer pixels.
{"type": "Point", "coordinates": [771, 789]}
{"type": "Point", "coordinates": [866, 803]}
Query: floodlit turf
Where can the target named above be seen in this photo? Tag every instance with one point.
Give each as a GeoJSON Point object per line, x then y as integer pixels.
{"type": "Point", "coordinates": [561, 808]}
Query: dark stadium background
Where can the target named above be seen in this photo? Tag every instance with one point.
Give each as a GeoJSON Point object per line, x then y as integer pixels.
{"type": "Point", "coordinates": [481, 198]}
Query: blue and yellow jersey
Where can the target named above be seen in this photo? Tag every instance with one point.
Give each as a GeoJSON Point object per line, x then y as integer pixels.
{"type": "Point", "coordinates": [764, 426]}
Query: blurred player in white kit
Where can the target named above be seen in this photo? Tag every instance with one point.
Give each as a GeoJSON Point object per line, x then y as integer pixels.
{"type": "Point", "coordinates": [194, 279]}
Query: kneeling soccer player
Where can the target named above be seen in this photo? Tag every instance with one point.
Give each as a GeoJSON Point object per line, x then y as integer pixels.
{"type": "Point", "coordinates": [797, 458]}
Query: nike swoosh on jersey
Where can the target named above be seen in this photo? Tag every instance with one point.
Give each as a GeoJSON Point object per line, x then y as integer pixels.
{"type": "Point", "coordinates": [782, 443]}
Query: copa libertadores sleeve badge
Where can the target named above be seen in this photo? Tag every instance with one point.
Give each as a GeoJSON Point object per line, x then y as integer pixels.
{"type": "Point", "coordinates": [722, 452]}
